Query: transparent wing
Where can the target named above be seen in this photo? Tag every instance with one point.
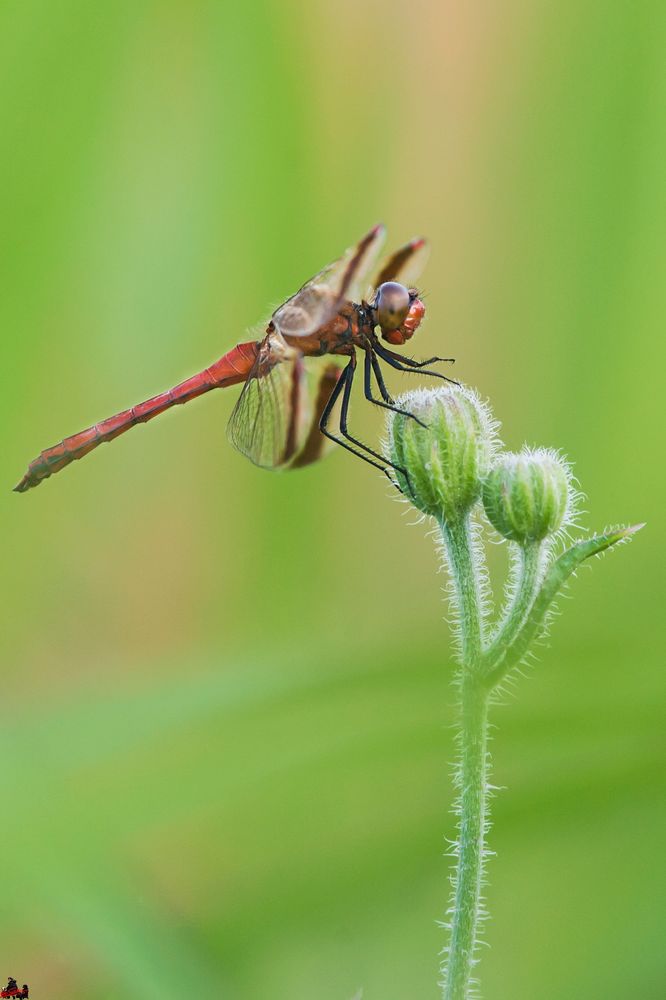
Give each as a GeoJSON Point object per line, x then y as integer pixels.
{"type": "Point", "coordinates": [275, 422]}
{"type": "Point", "coordinates": [405, 265]}
{"type": "Point", "coordinates": [271, 412]}
{"type": "Point", "coordinates": [321, 297]}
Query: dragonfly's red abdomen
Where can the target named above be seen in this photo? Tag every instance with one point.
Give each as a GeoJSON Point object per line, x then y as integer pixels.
{"type": "Point", "coordinates": [233, 367]}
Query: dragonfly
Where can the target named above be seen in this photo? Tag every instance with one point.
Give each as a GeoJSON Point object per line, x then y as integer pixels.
{"type": "Point", "coordinates": [295, 400]}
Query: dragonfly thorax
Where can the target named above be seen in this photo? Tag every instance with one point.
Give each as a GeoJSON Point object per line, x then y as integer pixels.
{"type": "Point", "coordinates": [398, 311]}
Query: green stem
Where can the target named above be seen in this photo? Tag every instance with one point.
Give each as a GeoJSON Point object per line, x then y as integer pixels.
{"type": "Point", "coordinates": [554, 580]}
{"type": "Point", "coordinates": [529, 573]}
{"type": "Point", "coordinates": [472, 779]}
{"type": "Point", "coordinates": [465, 574]}
{"type": "Point", "coordinates": [480, 672]}
{"type": "Point", "coordinates": [465, 579]}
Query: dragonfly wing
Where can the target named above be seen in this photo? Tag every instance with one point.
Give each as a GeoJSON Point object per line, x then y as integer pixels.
{"type": "Point", "coordinates": [322, 380]}
{"type": "Point", "coordinates": [405, 265]}
{"type": "Point", "coordinates": [321, 297]}
{"type": "Point", "coordinates": [265, 421]}
{"type": "Point", "coordinates": [275, 422]}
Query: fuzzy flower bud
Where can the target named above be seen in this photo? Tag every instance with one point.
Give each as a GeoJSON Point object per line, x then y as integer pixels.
{"type": "Point", "coordinates": [447, 460]}
{"type": "Point", "coordinates": [529, 495]}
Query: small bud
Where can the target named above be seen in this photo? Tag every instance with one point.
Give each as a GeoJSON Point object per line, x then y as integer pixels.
{"type": "Point", "coordinates": [529, 495]}
{"type": "Point", "coordinates": [447, 459]}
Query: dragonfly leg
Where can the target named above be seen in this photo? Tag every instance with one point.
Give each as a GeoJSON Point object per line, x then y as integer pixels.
{"type": "Point", "coordinates": [372, 365]}
{"type": "Point", "coordinates": [343, 387]}
{"type": "Point", "coordinates": [346, 397]}
{"type": "Point", "coordinates": [412, 363]}
{"type": "Point", "coordinates": [344, 411]}
{"type": "Point", "coordinates": [396, 361]}
{"type": "Point", "coordinates": [340, 387]}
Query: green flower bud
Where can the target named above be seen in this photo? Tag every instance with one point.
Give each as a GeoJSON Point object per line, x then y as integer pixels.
{"type": "Point", "coordinates": [446, 460]}
{"type": "Point", "coordinates": [529, 495]}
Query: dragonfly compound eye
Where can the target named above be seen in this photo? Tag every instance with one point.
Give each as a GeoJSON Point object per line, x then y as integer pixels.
{"type": "Point", "coordinates": [392, 305]}
{"type": "Point", "coordinates": [398, 320]}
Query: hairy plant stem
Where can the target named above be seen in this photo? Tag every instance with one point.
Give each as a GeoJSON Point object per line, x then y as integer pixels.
{"type": "Point", "coordinates": [458, 543]}
{"type": "Point", "coordinates": [471, 767]}
{"type": "Point", "coordinates": [481, 670]}
{"type": "Point", "coordinates": [472, 805]}
{"type": "Point", "coordinates": [448, 464]}
{"type": "Point", "coordinates": [531, 557]}
{"type": "Point", "coordinates": [556, 576]}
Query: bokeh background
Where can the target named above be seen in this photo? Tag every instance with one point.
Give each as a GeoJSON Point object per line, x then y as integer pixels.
{"type": "Point", "coordinates": [226, 694]}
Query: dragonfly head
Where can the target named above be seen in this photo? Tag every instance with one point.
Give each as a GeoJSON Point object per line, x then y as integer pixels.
{"type": "Point", "coordinates": [398, 311]}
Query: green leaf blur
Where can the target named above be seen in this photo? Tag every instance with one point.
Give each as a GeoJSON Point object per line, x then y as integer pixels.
{"type": "Point", "coordinates": [226, 693]}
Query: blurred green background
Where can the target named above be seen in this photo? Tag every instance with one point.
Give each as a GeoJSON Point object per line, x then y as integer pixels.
{"type": "Point", "coordinates": [227, 703]}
